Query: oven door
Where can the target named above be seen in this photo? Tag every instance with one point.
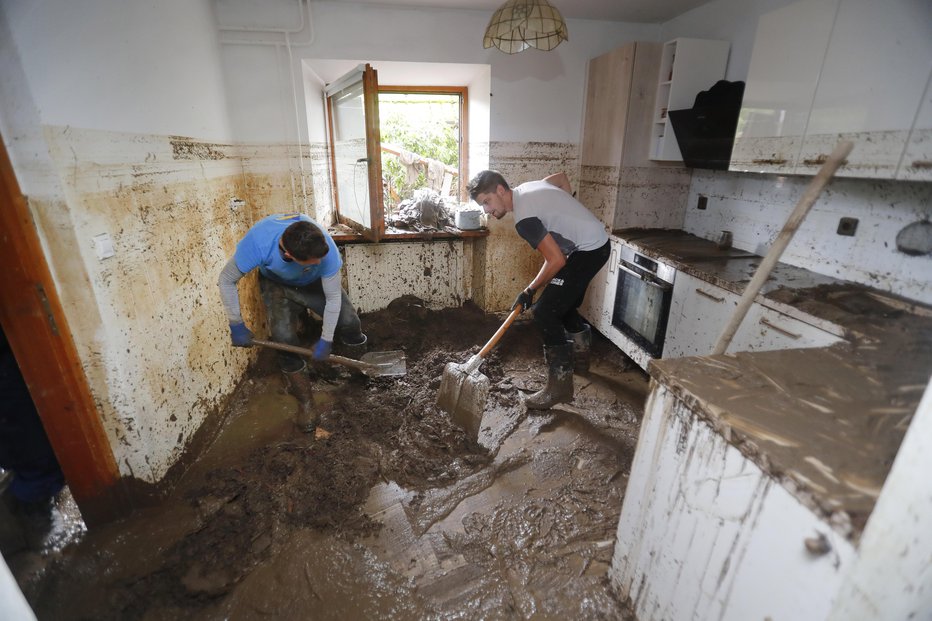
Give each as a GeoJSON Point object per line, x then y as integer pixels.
{"type": "Point", "coordinates": [642, 304]}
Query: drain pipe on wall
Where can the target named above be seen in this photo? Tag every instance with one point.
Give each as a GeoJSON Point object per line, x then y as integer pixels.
{"type": "Point", "coordinates": [282, 39]}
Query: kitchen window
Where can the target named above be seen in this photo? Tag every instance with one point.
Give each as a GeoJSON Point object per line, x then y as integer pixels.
{"type": "Point", "coordinates": [395, 151]}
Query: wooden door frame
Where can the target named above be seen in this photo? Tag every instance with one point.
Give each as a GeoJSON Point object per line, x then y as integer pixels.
{"type": "Point", "coordinates": [36, 328]}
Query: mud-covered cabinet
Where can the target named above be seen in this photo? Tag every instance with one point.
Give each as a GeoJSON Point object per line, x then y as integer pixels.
{"type": "Point", "coordinates": [700, 310]}
{"type": "Point", "coordinates": [698, 313]}
{"type": "Point", "coordinates": [823, 71]}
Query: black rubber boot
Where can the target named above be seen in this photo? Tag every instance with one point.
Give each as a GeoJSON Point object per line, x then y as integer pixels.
{"type": "Point", "coordinates": [559, 388]}
{"type": "Point", "coordinates": [582, 348]}
{"type": "Point", "coordinates": [354, 350]}
{"type": "Point", "coordinates": [300, 386]}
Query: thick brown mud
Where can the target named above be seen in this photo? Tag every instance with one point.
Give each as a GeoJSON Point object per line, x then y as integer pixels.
{"type": "Point", "coordinates": [397, 513]}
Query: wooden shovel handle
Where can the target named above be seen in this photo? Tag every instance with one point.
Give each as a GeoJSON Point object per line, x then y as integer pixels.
{"type": "Point", "coordinates": [498, 333]}
{"type": "Point", "coordinates": [294, 349]}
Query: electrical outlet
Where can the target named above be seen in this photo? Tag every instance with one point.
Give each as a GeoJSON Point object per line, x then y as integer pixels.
{"type": "Point", "coordinates": [847, 226]}
{"type": "Point", "coordinates": [703, 202]}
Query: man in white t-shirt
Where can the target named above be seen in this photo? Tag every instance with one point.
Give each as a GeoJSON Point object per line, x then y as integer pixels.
{"type": "Point", "coordinates": [574, 246]}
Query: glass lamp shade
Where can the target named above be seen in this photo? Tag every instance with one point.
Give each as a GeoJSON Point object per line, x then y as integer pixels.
{"type": "Point", "coordinates": [520, 24]}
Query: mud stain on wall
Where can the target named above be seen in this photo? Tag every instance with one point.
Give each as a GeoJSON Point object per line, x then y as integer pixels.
{"type": "Point", "coordinates": [187, 149]}
{"type": "Point", "coordinates": [148, 321]}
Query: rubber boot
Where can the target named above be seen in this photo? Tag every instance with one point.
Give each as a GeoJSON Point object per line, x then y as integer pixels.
{"type": "Point", "coordinates": [300, 386]}
{"type": "Point", "coordinates": [355, 350]}
{"type": "Point", "coordinates": [582, 348]}
{"type": "Point", "coordinates": [559, 388]}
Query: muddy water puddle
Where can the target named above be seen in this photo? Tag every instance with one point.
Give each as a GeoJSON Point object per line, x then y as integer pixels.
{"type": "Point", "coordinates": [397, 514]}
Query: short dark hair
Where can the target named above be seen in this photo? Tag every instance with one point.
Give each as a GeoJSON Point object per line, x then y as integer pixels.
{"type": "Point", "coordinates": [486, 182]}
{"type": "Point", "coordinates": [304, 241]}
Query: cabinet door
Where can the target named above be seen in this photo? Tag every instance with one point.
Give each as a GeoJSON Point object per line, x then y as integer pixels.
{"type": "Point", "coordinates": [782, 79]}
{"type": "Point", "coordinates": [698, 313]}
{"type": "Point", "coordinates": [765, 329]}
{"type": "Point", "coordinates": [597, 305]}
{"type": "Point", "coordinates": [872, 82]}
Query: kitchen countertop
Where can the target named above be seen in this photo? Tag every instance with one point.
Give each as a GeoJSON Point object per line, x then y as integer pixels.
{"type": "Point", "coordinates": [827, 422]}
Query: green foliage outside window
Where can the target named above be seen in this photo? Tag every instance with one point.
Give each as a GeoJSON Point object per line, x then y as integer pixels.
{"type": "Point", "coordinates": [424, 124]}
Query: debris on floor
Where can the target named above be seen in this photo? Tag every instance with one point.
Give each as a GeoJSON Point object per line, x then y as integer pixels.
{"type": "Point", "coordinates": [394, 514]}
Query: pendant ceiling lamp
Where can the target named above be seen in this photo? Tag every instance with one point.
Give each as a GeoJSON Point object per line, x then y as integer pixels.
{"type": "Point", "coordinates": [520, 24]}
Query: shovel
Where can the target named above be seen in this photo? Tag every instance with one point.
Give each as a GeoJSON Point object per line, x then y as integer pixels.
{"type": "Point", "coordinates": [464, 391]}
{"type": "Point", "coordinates": [373, 364]}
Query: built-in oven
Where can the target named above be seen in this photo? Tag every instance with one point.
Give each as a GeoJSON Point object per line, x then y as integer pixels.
{"type": "Point", "coordinates": [642, 300]}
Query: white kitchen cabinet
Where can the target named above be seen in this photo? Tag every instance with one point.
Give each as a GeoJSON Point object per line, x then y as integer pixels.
{"type": "Point", "coordinates": [600, 296]}
{"type": "Point", "coordinates": [687, 67]}
{"type": "Point", "coordinates": [699, 312]}
{"type": "Point", "coordinates": [871, 85]}
{"type": "Point", "coordinates": [823, 71]}
{"type": "Point", "coordinates": [782, 78]}
{"type": "Point", "coordinates": [705, 533]}
{"type": "Point", "coordinates": [765, 329]}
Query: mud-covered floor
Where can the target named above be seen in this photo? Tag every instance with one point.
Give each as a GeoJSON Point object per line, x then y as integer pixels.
{"type": "Point", "coordinates": [396, 514]}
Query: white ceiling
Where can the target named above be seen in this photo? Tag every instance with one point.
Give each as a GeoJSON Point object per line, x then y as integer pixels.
{"type": "Point", "coordinates": [647, 11]}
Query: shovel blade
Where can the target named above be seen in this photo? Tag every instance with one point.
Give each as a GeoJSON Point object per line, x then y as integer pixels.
{"type": "Point", "coordinates": [384, 364]}
{"type": "Point", "coordinates": [463, 396]}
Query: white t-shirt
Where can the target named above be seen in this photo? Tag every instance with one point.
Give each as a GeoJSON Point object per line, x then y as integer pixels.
{"type": "Point", "coordinates": [540, 207]}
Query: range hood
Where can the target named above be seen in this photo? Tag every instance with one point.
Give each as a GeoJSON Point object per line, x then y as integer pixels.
{"type": "Point", "coordinates": [705, 133]}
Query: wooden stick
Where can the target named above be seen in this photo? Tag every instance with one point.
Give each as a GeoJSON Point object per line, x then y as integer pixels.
{"type": "Point", "coordinates": [766, 266]}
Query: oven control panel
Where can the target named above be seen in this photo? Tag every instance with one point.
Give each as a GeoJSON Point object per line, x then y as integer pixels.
{"type": "Point", "coordinates": [639, 263]}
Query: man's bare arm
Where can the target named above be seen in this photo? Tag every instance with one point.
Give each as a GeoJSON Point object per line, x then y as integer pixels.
{"type": "Point", "coordinates": [561, 181]}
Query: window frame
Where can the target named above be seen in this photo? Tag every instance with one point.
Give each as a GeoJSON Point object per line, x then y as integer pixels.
{"type": "Point", "coordinates": [348, 230]}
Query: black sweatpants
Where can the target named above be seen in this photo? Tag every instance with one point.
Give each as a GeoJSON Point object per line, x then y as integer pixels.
{"type": "Point", "coordinates": [556, 309]}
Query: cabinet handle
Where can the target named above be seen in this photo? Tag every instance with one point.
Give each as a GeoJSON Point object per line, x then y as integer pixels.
{"type": "Point", "coordinates": [922, 164]}
{"type": "Point", "coordinates": [782, 331]}
{"type": "Point", "coordinates": [710, 296]}
{"type": "Point", "coordinates": [818, 161]}
{"type": "Point", "coordinates": [775, 161]}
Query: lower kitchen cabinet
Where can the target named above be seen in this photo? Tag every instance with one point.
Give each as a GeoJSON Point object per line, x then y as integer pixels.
{"type": "Point", "coordinates": [700, 310]}
{"type": "Point", "coordinates": [765, 329]}
{"type": "Point", "coordinates": [600, 296]}
{"type": "Point", "coordinates": [698, 313]}
{"type": "Point", "coordinates": [705, 533]}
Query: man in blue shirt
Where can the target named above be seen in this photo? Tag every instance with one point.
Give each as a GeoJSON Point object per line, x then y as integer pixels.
{"type": "Point", "coordinates": [299, 269]}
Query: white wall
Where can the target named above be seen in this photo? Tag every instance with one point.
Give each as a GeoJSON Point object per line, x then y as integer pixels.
{"type": "Point", "coordinates": [95, 97]}
{"type": "Point", "coordinates": [536, 96]}
{"type": "Point", "coordinates": [755, 207]}
{"type": "Point", "coordinates": [145, 67]}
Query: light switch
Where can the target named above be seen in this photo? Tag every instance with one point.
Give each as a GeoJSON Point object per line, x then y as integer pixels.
{"type": "Point", "coordinates": [104, 246]}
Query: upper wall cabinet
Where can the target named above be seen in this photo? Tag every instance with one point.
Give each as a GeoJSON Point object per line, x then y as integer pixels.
{"type": "Point", "coordinates": [829, 70]}
{"type": "Point", "coordinates": [687, 67]}
{"type": "Point", "coordinates": [616, 127]}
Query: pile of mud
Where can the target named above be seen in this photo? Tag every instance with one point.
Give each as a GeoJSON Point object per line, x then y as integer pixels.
{"type": "Point", "coordinates": [237, 516]}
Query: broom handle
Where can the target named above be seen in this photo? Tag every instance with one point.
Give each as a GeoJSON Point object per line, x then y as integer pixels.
{"type": "Point", "coordinates": [766, 266]}
{"type": "Point", "coordinates": [498, 333]}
